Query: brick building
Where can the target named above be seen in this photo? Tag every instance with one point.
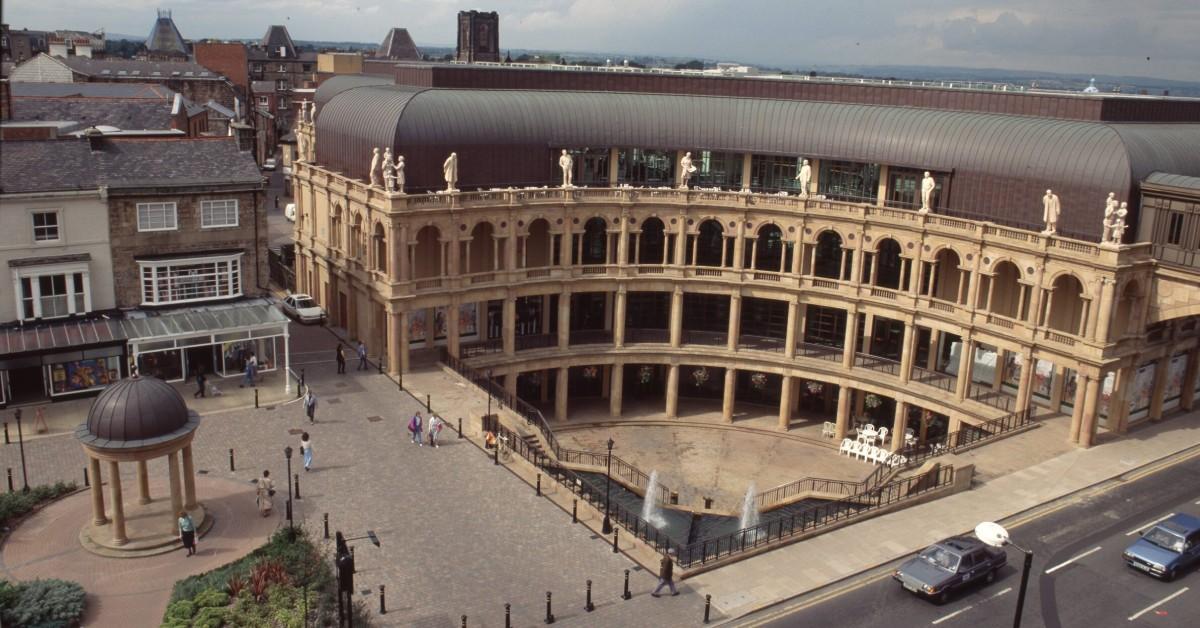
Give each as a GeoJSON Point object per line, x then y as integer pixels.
{"type": "Point", "coordinates": [47, 110]}
{"type": "Point", "coordinates": [276, 60]}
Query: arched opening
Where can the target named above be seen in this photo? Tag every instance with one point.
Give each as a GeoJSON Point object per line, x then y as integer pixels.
{"type": "Point", "coordinates": [1005, 292]}
{"type": "Point", "coordinates": [946, 276]}
{"type": "Point", "coordinates": [593, 244]}
{"type": "Point", "coordinates": [537, 244]}
{"type": "Point", "coordinates": [427, 258]}
{"type": "Point", "coordinates": [827, 255]}
{"type": "Point", "coordinates": [887, 265]}
{"type": "Point", "coordinates": [335, 227]}
{"type": "Point", "coordinates": [769, 249]}
{"type": "Point", "coordinates": [709, 244]}
{"type": "Point", "coordinates": [480, 251]}
{"type": "Point", "coordinates": [354, 247]}
{"type": "Point", "coordinates": [1067, 307]}
{"type": "Point", "coordinates": [652, 243]}
{"type": "Point", "coordinates": [1128, 306]}
{"type": "Point", "coordinates": [380, 241]}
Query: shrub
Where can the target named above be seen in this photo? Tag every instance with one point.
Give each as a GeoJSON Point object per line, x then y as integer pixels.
{"type": "Point", "coordinates": [14, 505]}
{"type": "Point", "coordinates": [211, 598]}
{"type": "Point", "coordinates": [210, 617]}
{"type": "Point", "coordinates": [49, 603]}
{"type": "Point", "coordinates": [182, 610]}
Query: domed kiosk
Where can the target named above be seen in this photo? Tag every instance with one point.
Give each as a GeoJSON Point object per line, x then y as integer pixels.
{"type": "Point", "coordinates": [137, 420]}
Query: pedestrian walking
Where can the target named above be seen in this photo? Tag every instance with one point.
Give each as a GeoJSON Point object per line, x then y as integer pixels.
{"type": "Point", "coordinates": [414, 427]}
{"type": "Point", "coordinates": [200, 381]}
{"type": "Point", "coordinates": [310, 405]}
{"type": "Point", "coordinates": [666, 572]}
{"type": "Point", "coordinates": [264, 493]}
{"type": "Point", "coordinates": [248, 376]}
{"type": "Point", "coordinates": [306, 450]}
{"type": "Point", "coordinates": [435, 429]}
{"type": "Point", "coordinates": [341, 360]}
{"type": "Point", "coordinates": [362, 356]}
{"type": "Point", "coordinates": [187, 532]}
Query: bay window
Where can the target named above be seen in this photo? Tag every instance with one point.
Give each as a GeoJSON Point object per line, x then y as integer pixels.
{"type": "Point", "coordinates": [52, 293]}
{"type": "Point", "coordinates": [192, 279]}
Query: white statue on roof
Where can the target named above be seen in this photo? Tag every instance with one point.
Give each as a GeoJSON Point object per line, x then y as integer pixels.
{"type": "Point", "coordinates": [804, 177]}
{"type": "Point", "coordinates": [450, 172]}
{"type": "Point", "coordinates": [374, 172]}
{"type": "Point", "coordinates": [928, 185]}
{"type": "Point", "coordinates": [567, 163]}
{"type": "Point", "coordinates": [1051, 208]}
{"type": "Point", "coordinates": [389, 170]}
{"type": "Point", "coordinates": [1114, 225]}
{"type": "Point", "coordinates": [399, 174]}
{"type": "Point", "coordinates": [301, 149]}
{"type": "Point", "coordinates": [1110, 208]}
{"type": "Point", "coordinates": [685, 170]}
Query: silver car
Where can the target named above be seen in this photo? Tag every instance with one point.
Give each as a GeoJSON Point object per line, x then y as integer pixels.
{"type": "Point", "coordinates": [302, 308]}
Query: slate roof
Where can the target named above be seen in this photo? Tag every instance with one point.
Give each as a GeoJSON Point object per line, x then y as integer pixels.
{"type": "Point", "coordinates": [127, 115]}
{"type": "Point", "coordinates": [165, 36]}
{"type": "Point", "coordinates": [398, 45]}
{"type": "Point", "coordinates": [139, 69]}
{"type": "Point", "coordinates": [275, 37]}
{"type": "Point", "coordinates": [59, 165]}
{"type": "Point", "coordinates": [1168, 180]}
{"type": "Point", "coordinates": [150, 91]}
{"type": "Point", "coordinates": [262, 87]}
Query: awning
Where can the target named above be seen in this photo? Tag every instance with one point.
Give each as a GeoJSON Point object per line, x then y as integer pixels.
{"type": "Point", "coordinates": [60, 335]}
{"type": "Point", "coordinates": [243, 315]}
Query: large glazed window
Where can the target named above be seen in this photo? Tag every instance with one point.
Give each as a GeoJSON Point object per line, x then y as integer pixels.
{"type": "Point", "coordinates": [157, 217]}
{"type": "Point", "coordinates": [193, 279]}
{"type": "Point", "coordinates": [222, 213]}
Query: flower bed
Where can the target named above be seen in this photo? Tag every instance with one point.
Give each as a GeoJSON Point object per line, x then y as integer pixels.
{"type": "Point", "coordinates": [48, 603]}
{"type": "Point", "coordinates": [287, 582]}
{"type": "Point", "coordinates": [15, 505]}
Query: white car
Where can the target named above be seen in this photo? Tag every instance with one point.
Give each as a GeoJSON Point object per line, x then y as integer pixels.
{"type": "Point", "coordinates": [302, 308]}
{"type": "Point", "coordinates": [269, 164]}
{"type": "Point", "coordinates": [289, 212]}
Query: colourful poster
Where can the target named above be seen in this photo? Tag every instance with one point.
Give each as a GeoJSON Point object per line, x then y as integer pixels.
{"type": "Point", "coordinates": [1143, 388]}
{"type": "Point", "coordinates": [80, 375]}
{"type": "Point", "coordinates": [1043, 378]}
{"type": "Point", "coordinates": [1070, 386]}
{"type": "Point", "coordinates": [439, 323]}
{"type": "Point", "coordinates": [1106, 392]}
{"type": "Point", "coordinates": [1176, 369]}
{"type": "Point", "coordinates": [467, 317]}
{"type": "Point", "coordinates": [1012, 370]}
{"type": "Point", "coordinates": [416, 326]}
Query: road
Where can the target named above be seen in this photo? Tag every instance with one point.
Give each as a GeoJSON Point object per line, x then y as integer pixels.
{"type": "Point", "coordinates": [1078, 579]}
{"type": "Point", "coordinates": [279, 229]}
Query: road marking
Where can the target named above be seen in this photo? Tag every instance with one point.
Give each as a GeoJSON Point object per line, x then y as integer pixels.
{"type": "Point", "coordinates": [998, 594]}
{"type": "Point", "coordinates": [1143, 527]}
{"type": "Point", "coordinates": [1158, 603]}
{"type": "Point", "coordinates": [954, 614]}
{"type": "Point", "coordinates": [1071, 560]}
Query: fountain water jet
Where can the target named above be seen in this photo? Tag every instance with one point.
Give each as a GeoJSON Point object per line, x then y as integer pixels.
{"type": "Point", "coordinates": [651, 511]}
{"type": "Point", "coordinates": [749, 511]}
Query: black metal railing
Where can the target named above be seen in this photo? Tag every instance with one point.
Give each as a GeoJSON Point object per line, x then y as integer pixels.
{"type": "Point", "coordinates": [483, 347]}
{"type": "Point", "coordinates": [591, 337]}
{"type": "Point", "coordinates": [933, 378]}
{"type": "Point", "coordinates": [281, 274]}
{"type": "Point", "coordinates": [532, 415]}
{"type": "Point", "coordinates": [632, 475]}
{"type": "Point", "coordinates": [821, 352]}
{"type": "Point", "coordinates": [876, 363]}
{"type": "Point", "coordinates": [693, 337]}
{"type": "Point", "coordinates": [662, 336]}
{"type": "Point", "coordinates": [761, 343]}
{"type": "Point", "coordinates": [967, 435]}
{"type": "Point", "coordinates": [776, 529]}
{"type": "Point", "coordinates": [537, 341]}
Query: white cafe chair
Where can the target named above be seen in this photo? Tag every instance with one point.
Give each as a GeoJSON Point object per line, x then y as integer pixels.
{"type": "Point", "coordinates": [847, 445]}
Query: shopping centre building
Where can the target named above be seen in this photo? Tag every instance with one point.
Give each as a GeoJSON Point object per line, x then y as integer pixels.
{"type": "Point", "coordinates": [917, 272]}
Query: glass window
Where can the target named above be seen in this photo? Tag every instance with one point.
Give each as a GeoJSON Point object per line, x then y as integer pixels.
{"type": "Point", "coordinates": [177, 281]}
{"type": "Point", "coordinates": [849, 181]}
{"type": "Point", "coordinates": [157, 217]}
{"type": "Point", "coordinates": [722, 170]}
{"type": "Point", "coordinates": [52, 296]}
{"type": "Point", "coordinates": [770, 173]}
{"type": "Point", "coordinates": [1174, 228]}
{"type": "Point", "coordinates": [645, 167]}
{"type": "Point", "coordinates": [79, 375]}
{"type": "Point", "coordinates": [223, 213]}
{"type": "Point", "coordinates": [27, 308]}
{"type": "Point", "coordinates": [904, 188]}
{"type": "Point", "coordinates": [165, 365]}
{"type": "Point", "coordinates": [591, 166]}
{"type": "Point", "coordinates": [45, 226]}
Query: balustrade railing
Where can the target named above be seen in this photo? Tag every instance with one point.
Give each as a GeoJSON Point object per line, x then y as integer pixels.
{"type": "Point", "coordinates": [662, 336]}
{"type": "Point", "coordinates": [821, 352]}
{"type": "Point", "coordinates": [591, 337]}
{"type": "Point", "coordinates": [428, 284]}
{"type": "Point", "coordinates": [696, 337]}
{"type": "Point", "coordinates": [482, 347]}
{"type": "Point", "coordinates": [936, 379]}
{"type": "Point", "coordinates": [876, 363]}
{"type": "Point", "coordinates": [761, 343]}
{"type": "Point", "coordinates": [536, 341]}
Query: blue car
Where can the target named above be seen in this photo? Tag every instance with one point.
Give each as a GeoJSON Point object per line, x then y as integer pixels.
{"type": "Point", "coordinates": [1166, 548]}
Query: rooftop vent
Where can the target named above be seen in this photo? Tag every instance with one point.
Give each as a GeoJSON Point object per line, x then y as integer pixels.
{"type": "Point", "coordinates": [106, 71]}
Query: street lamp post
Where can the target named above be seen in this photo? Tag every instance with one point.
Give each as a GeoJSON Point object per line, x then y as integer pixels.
{"type": "Point", "coordinates": [995, 535]}
{"type": "Point", "coordinates": [21, 443]}
{"type": "Point", "coordinates": [607, 528]}
{"type": "Point", "coordinates": [287, 453]}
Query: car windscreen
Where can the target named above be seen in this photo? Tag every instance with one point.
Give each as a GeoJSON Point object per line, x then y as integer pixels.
{"type": "Point", "coordinates": [1164, 538]}
{"type": "Point", "coordinates": [305, 303]}
{"type": "Point", "coordinates": [941, 557]}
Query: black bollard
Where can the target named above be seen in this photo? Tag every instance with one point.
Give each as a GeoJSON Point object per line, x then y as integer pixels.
{"type": "Point", "coordinates": [380, 365]}
{"type": "Point", "coordinates": [85, 478]}
{"type": "Point", "coordinates": [6, 441]}
{"type": "Point", "coordinates": [707, 606]}
{"type": "Point", "coordinates": [352, 563]}
{"type": "Point", "coordinates": [10, 484]}
{"type": "Point", "coordinates": [382, 605]}
{"type": "Point", "coordinates": [428, 407]}
{"type": "Point", "coordinates": [231, 469]}
{"type": "Point", "coordinates": [616, 531]}
{"type": "Point", "coordinates": [297, 483]}
{"type": "Point", "coordinates": [589, 607]}
{"type": "Point", "coordinates": [508, 616]}
{"type": "Point", "coordinates": [549, 615]}
{"type": "Point", "coordinates": [626, 595]}
{"type": "Point", "coordinates": [539, 485]}
{"type": "Point", "coordinates": [326, 525]}
{"type": "Point", "coordinates": [464, 621]}
{"type": "Point", "coordinates": [460, 433]}
{"type": "Point", "coordinates": [574, 511]}
{"type": "Point", "coordinates": [496, 453]}
{"type": "Point", "coordinates": [255, 398]}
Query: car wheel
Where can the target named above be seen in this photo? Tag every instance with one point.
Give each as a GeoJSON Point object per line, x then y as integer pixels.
{"type": "Point", "coordinates": [990, 577]}
{"type": "Point", "coordinates": [1169, 576]}
{"type": "Point", "coordinates": [943, 597]}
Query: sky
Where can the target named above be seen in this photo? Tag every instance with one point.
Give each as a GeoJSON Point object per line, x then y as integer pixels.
{"type": "Point", "coordinates": [1121, 37]}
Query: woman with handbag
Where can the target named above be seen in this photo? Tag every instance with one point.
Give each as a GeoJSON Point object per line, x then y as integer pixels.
{"type": "Point", "coordinates": [265, 491]}
{"type": "Point", "coordinates": [306, 450]}
{"type": "Point", "coordinates": [187, 532]}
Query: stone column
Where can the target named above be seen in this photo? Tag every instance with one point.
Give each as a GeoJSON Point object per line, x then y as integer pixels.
{"type": "Point", "coordinates": [143, 480]}
{"type": "Point", "coordinates": [789, 342]}
{"type": "Point", "coordinates": [868, 332]}
{"type": "Point", "coordinates": [98, 517]}
{"type": "Point", "coordinates": [623, 240]}
{"type": "Point", "coordinates": [1187, 396]}
{"type": "Point", "coordinates": [452, 330]}
{"type": "Point", "coordinates": [619, 317]}
{"type": "Point", "coordinates": [1024, 392]}
{"type": "Point", "coordinates": [965, 361]}
{"type": "Point", "coordinates": [510, 382]}
{"type": "Point", "coordinates": [746, 165]}
{"type": "Point", "coordinates": [728, 401]}
{"type": "Point", "coordinates": [398, 266]}
{"type": "Point", "coordinates": [402, 323]}
{"type": "Point", "coordinates": [899, 422]}
{"type": "Point", "coordinates": [616, 386]}
{"type": "Point", "coordinates": [509, 324]}
{"type": "Point", "coordinates": [908, 349]}
{"type": "Point", "coordinates": [739, 246]}
{"type": "Point", "coordinates": [560, 395]}
{"type": "Point", "coordinates": [850, 338]}
{"type": "Point", "coordinates": [118, 509]}
{"type": "Point", "coordinates": [1081, 383]}
{"type": "Point", "coordinates": [393, 343]}
{"type": "Point", "coordinates": [735, 320]}
{"type": "Point", "coordinates": [1087, 430]}
{"type": "Point", "coordinates": [1104, 310]}
{"type": "Point", "coordinates": [786, 402]}
{"type": "Point", "coordinates": [189, 478]}
{"type": "Point", "coordinates": [176, 489]}
{"type": "Point", "coordinates": [614, 158]}
{"type": "Point", "coordinates": [677, 317]}
{"type": "Point", "coordinates": [564, 321]}
{"type": "Point", "coordinates": [672, 409]}
{"type": "Point", "coordinates": [843, 413]}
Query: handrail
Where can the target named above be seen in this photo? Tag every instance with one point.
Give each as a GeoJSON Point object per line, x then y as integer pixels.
{"type": "Point", "coordinates": [969, 435]}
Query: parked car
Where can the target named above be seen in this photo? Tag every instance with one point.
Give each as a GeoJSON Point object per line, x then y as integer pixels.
{"type": "Point", "coordinates": [302, 308]}
{"type": "Point", "coordinates": [1166, 548]}
{"type": "Point", "coordinates": [947, 566]}
{"type": "Point", "coordinates": [269, 163]}
{"type": "Point", "coordinates": [289, 212]}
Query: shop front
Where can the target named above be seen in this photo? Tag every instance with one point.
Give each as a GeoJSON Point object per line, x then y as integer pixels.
{"type": "Point", "coordinates": [61, 360]}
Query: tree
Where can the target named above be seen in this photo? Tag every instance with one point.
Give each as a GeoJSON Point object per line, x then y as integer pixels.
{"type": "Point", "coordinates": [694, 64]}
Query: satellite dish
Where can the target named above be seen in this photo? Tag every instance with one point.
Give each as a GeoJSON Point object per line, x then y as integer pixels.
{"type": "Point", "coordinates": [992, 534]}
